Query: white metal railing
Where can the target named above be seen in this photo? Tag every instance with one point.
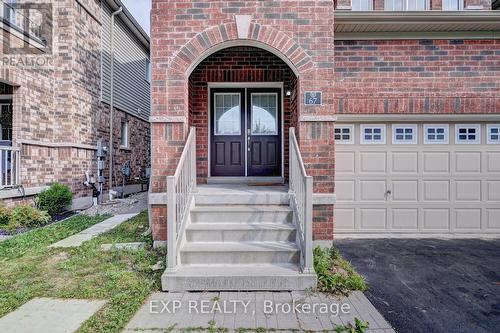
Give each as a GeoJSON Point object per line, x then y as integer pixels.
{"type": "Point", "coordinates": [180, 188]}
{"type": "Point", "coordinates": [10, 167]}
{"type": "Point", "coordinates": [301, 193]}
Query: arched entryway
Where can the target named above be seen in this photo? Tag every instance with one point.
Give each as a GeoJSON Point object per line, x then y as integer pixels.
{"type": "Point", "coordinates": [242, 101]}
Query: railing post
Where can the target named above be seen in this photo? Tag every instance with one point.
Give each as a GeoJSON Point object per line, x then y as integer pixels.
{"type": "Point", "coordinates": [308, 226]}
{"type": "Point", "coordinates": [171, 225]}
{"type": "Point", "coordinates": [193, 157]}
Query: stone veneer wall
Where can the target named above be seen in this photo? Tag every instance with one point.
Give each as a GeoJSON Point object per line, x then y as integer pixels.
{"type": "Point", "coordinates": [58, 115]}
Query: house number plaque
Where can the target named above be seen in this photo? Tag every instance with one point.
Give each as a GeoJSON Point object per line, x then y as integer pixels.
{"type": "Point", "coordinates": [313, 98]}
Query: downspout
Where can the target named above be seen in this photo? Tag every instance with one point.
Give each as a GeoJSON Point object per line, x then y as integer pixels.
{"type": "Point", "coordinates": [112, 96]}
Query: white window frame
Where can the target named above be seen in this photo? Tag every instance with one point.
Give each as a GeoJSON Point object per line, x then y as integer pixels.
{"type": "Point", "coordinates": [405, 5]}
{"type": "Point", "coordinates": [477, 141]}
{"type": "Point", "coordinates": [124, 135]}
{"type": "Point", "coordinates": [413, 141]}
{"type": "Point", "coordinates": [215, 113]}
{"type": "Point", "coordinates": [460, 7]}
{"type": "Point", "coordinates": [488, 133]}
{"type": "Point", "coordinates": [275, 120]}
{"type": "Point", "coordinates": [351, 134]}
{"type": "Point", "coordinates": [382, 141]}
{"type": "Point", "coordinates": [433, 142]}
{"type": "Point", "coordinates": [370, 5]}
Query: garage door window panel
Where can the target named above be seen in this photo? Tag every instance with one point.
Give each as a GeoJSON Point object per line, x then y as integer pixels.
{"type": "Point", "coordinates": [404, 134]}
{"type": "Point", "coordinates": [494, 134]}
{"type": "Point", "coordinates": [436, 134]}
{"type": "Point", "coordinates": [468, 134]}
{"type": "Point", "coordinates": [344, 134]}
{"type": "Point", "coordinates": [373, 134]}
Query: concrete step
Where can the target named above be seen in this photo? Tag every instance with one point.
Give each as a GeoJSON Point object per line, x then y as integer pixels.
{"type": "Point", "coordinates": [241, 195]}
{"type": "Point", "coordinates": [242, 214]}
{"type": "Point", "coordinates": [237, 278]}
{"type": "Point", "coordinates": [240, 232]}
{"type": "Point", "coordinates": [239, 253]}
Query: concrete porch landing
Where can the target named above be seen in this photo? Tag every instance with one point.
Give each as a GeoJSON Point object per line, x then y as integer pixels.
{"type": "Point", "coordinates": [239, 237]}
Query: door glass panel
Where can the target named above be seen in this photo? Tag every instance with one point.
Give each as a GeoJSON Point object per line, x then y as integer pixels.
{"type": "Point", "coordinates": [264, 114]}
{"type": "Point", "coordinates": [227, 114]}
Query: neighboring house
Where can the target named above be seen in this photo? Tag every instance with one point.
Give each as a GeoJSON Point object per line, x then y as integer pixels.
{"type": "Point", "coordinates": [396, 110]}
{"type": "Point", "coordinates": [55, 94]}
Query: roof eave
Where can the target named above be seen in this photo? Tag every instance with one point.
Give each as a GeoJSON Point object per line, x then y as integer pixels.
{"type": "Point", "coordinates": [131, 22]}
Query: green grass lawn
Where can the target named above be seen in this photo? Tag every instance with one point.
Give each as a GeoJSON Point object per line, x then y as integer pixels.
{"type": "Point", "coordinates": [28, 268]}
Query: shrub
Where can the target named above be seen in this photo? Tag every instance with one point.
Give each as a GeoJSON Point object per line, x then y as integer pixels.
{"type": "Point", "coordinates": [27, 216]}
{"type": "Point", "coordinates": [55, 199]}
{"type": "Point", "coordinates": [4, 215]}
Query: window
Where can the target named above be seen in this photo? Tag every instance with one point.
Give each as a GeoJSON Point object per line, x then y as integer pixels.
{"type": "Point", "coordinates": [494, 134]}
{"type": "Point", "coordinates": [148, 70]}
{"type": "Point", "coordinates": [405, 5]}
{"type": "Point", "coordinates": [373, 134]}
{"type": "Point", "coordinates": [468, 134]}
{"type": "Point", "coordinates": [404, 134]}
{"type": "Point", "coordinates": [227, 114]}
{"type": "Point", "coordinates": [344, 134]}
{"type": "Point", "coordinates": [124, 134]}
{"type": "Point", "coordinates": [453, 4]}
{"type": "Point", "coordinates": [362, 4]}
{"type": "Point", "coordinates": [436, 134]}
{"type": "Point", "coordinates": [264, 114]}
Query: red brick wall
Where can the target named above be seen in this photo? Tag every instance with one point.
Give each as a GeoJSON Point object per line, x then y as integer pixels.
{"type": "Point", "coordinates": [236, 64]}
{"type": "Point", "coordinates": [417, 76]}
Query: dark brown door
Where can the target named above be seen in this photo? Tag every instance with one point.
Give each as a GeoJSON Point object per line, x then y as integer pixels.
{"type": "Point", "coordinates": [227, 132]}
{"type": "Point", "coordinates": [264, 132]}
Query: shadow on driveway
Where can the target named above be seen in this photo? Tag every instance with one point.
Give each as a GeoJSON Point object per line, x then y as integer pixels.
{"type": "Point", "coordinates": [430, 285]}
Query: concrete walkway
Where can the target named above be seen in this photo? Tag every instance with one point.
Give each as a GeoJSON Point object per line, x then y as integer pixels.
{"type": "Point", "coordinates": [48, 315]}
{"type": "Point", "coordinates": [95, 230]}
{"type": "Point", "coordinates": [254, 310]}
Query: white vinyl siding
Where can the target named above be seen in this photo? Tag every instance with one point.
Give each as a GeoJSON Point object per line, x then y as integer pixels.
{"type": "Point", "coordinates": [131, 89]}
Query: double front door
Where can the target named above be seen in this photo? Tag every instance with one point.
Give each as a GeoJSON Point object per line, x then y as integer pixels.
{"type": "Point", "coordinates": [245, 132]}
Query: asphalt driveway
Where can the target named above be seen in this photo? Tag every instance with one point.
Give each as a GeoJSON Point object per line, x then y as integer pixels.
{"type": "Point", "coordinates": [430, 285]}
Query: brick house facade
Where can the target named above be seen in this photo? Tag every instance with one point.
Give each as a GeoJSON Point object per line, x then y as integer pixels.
{"type": "Point", "coordinates": [427, 62]}
{"type": "Point", "coordinates": [60, 108]}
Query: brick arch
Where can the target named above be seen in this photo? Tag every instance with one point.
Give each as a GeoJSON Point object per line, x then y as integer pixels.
{"type": "Point", "coordinates": [226, 35]}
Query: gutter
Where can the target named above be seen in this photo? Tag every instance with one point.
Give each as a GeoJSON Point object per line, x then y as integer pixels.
{"type": "Point", "coordinates": [112, 96]}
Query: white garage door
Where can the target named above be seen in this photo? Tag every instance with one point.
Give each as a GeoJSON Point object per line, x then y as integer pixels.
{"type": "Point", "coordinates": [402, 180]}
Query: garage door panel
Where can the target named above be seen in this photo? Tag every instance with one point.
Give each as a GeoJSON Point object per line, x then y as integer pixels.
{"type": "Point", "coordinates": [405, 190]}
{"type": "Point", "coordinates": [469, 162]}
{"type": "Point", "coordinates": [345, 190]}
{"type": "Point", "coordinates": [373, 219]}
{"type": "Point", "coordinates": [405, 219]}
{"type": "Point", "coordinates": [468, 190]}
{"type": "Point", "coordinates": [493, 190]}
{"type": "Point", "coordinates": [404, 162]}
{"type": "Point", "coordinates": [436, 162]}
{"type": "Point", "coordinates": [493, 217]}
{"type": "Point", "coordinates": [344, 162]}
{"type": "Point", "coordinates": [345, 218]}
{"type": "Point", "coordinates": [469, 219]}
{"type": "Point", "coordinates": [493, 159]}
{"type": "Point", "coordinates": [436, 190]}
{"type": "Point", "coordinates": [372, 190]}
{"type": "Point", "coordinates": [373, 162]}
{"type": "Point", "coordinates": [436, 219]}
